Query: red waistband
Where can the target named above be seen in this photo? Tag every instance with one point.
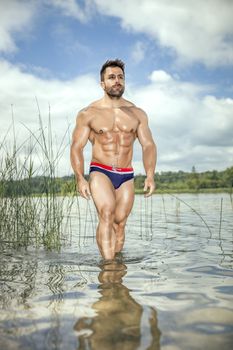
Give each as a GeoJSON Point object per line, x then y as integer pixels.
{"type": "Point", "coordinates": [111, 168]}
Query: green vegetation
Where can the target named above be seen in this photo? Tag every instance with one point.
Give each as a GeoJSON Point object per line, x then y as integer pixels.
{"type": "Point", "coordinates": [209, 181]}
{"type": "Point", "coordinates": [26, 216]}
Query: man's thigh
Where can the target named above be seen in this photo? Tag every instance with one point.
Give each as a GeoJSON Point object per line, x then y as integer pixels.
{"type": "Point", "coordinates": [124, 201]}
{"type": "Point", "coordinates": [102, 191]}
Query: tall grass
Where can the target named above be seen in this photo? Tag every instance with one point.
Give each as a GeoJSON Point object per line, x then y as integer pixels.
{"type": "Point", "coordinates": [26, 219]}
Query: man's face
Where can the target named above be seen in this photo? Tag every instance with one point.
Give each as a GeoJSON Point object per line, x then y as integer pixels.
{"type": "Point", "coordinates": [114, 82]}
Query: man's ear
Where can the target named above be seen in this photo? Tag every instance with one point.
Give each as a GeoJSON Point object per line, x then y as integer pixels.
{"type": "Point", "coordinates": [102, 85]}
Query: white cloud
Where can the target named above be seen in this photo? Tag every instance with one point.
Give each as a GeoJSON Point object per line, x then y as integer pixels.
{"type": "Point", "coordinates": [159, 76]}
{"type": "Point", "coordinates": [72, 9]}
{"type": "Point", "coordinates": [63, 98]}
{"type": "Point", "coordinates": [19, 16]}
{"type": "Point", "coordinates": [138, 52]}
{"type": "Point", "coordinates": [189, 126]}
{"type": "Point", "coordinates": [15, 17]}
{"type": "Point", "coordinates": [200, 31]}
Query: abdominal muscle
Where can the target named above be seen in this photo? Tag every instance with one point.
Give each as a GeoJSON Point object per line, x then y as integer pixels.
{"type": "Point", "coordinates": [113, 149]}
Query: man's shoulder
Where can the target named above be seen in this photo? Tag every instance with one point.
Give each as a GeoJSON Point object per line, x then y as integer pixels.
{"type": "Point", "coordinates": [87, 111]}
{"type": "Point", "coordinates": [94, 104]}
{"type": "Point", "coordinates": [139, 112]}
{"type": "Point", "coordinates": [132, 105]}
{"type": "Point", "coordinates": [84, 117]}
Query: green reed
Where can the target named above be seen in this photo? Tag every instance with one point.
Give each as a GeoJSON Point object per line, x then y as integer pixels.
{"type": "Point", "coordinates": [195, 211]}
{"type": "Point", "coordinates": [25, 218]}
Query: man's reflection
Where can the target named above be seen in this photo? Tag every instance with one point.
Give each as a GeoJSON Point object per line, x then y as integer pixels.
{"type": "Point", "coordinates": [120, 323]}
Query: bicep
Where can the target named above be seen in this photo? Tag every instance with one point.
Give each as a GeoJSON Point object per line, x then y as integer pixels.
{"type": "Point", "coordinates": [81, 133]}
{"type": "Point", "coordinates": [144, 133]}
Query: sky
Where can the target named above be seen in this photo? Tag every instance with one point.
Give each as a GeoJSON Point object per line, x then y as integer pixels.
{"type": "Point", "coordinates": [179, 69]}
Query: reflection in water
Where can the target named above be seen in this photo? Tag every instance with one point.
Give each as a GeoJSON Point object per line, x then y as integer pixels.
{"type": "Point", "coordinates": [17, 278]}
{"type": "Point", "coordinates": [175, 265]}
{"type": "Point", "coordinates": [120, 322]}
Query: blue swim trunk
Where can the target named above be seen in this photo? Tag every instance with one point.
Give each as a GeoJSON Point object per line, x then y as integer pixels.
{"type": "Point", "coordinates": [117, 175]}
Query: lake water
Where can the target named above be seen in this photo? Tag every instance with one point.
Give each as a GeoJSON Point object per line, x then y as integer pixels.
{"type": "Point", "coordinates": [172, 287]}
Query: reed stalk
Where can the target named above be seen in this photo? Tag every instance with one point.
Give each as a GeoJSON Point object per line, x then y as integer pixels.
{"type": "Point", "coordinates": [28, 219]}
{"type": "Point", "coordinates": [220, 218]}
{"type": "Point", "coordinates": [195, 211]}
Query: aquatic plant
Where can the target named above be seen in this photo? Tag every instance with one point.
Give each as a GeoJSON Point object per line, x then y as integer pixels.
{"type": "Point", "coordinates": [220, 218]}
{"type": "Point", "coordinates": [195, 211]}
{"type": "Point", "coordinates": [25, 218]}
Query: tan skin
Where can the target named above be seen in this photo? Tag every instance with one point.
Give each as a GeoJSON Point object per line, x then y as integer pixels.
{"type": "Point", "coordinates": [118, 317]}
{"type": "Point", "coordinates": [112, 124]}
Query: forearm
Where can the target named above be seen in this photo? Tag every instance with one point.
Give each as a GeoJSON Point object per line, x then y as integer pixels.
{"type": "Point", "coordinates": [77, 162]}
{"type": "Point", "coordinates": [149, 154]}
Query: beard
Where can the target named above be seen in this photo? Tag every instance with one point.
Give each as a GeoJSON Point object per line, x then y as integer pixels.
{"type": "Point", "coordinates": [115, 91]}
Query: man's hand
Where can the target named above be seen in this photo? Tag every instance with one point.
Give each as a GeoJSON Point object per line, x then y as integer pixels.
{"type": "Point", "coordinates": [83, 189]}
{"type": "Point", "coordinates": [149, 186]}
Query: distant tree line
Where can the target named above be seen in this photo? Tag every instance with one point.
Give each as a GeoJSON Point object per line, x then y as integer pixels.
{"type": "Point", "coordinates": [192, 181]}
{"type": "Point", "coordinates": [165, 181]}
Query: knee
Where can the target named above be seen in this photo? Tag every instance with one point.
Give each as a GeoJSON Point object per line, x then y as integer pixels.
{"type": "Point", "coordinates": [120, 225]}
{"type": "Point", "coordinates": [107, 215]}
{"type": "Point", "coordinates": [121, 218]}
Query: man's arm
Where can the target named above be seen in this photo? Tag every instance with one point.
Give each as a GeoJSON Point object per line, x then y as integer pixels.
{"type": "Point", "coordinates": [149, 152]}
{"type": "Point", "coordinates": [79, 140]}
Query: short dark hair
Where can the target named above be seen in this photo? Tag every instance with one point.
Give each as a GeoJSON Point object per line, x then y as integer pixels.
{"type": "Point", "coordinates": [111, 63]}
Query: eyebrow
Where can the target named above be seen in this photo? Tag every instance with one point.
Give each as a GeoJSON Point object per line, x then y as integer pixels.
{"type": "Point", "coordinates": [114, 75]}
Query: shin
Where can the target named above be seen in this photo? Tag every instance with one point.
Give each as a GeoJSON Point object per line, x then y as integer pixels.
{"type": "Point", "coordinates": [106, 237]}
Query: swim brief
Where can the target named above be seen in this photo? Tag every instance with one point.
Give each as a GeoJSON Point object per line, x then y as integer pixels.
{"type": "Point", "coordinates": [117, 175]}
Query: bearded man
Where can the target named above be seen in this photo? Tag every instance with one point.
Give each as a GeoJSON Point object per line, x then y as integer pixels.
{"type": "Point", "coordinates": [112, 124]}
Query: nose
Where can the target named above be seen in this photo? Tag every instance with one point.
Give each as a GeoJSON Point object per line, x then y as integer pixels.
{"type": "Point", "coordinates": [117, 81]}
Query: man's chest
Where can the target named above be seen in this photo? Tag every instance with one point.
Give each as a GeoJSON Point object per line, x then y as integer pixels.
{"type": "Point", "coordinates": [114, 120]}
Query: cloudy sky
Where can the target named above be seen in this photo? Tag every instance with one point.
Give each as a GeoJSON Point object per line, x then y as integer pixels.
{"type": "Point", "coordinates": [179, 69]}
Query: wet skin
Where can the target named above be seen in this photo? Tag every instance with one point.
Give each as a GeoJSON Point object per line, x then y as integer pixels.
{"type": "Point", "coordinates": [112, 124]}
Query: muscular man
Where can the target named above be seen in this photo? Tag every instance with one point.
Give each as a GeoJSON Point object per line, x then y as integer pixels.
{"type": "Point", "coordinates": [112, 124]}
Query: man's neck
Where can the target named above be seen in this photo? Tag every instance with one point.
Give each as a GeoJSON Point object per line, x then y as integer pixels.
{"type": "Point", "coordinates": [113, 102]}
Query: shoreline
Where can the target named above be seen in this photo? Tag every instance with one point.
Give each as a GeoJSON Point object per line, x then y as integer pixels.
{"type": "Point", "coordinates": [203, 190]}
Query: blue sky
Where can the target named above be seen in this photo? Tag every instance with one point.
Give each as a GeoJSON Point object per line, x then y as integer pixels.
{"type": "Point", "coordinates": [179, 69]}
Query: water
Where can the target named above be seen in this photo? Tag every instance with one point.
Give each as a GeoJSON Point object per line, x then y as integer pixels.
{"type": "Point", "coordinates": [170, 289]}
